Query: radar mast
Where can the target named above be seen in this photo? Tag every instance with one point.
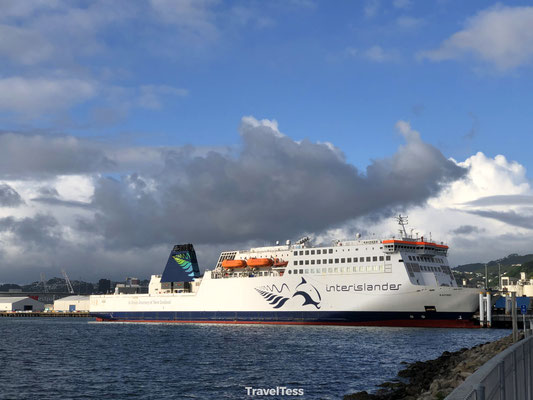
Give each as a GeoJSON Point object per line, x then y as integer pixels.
{"type": "Point", "coordinates": [402, 221]}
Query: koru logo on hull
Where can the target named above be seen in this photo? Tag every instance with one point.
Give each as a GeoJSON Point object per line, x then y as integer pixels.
{"type": "Point", "coordinates": [277, 297]}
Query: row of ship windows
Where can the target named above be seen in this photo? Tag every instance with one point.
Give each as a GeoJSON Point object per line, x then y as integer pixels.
{"type": "Point", "coordinates": [427, 259]}
{"type": "Point", "coordinates": [312, 252]}
{"type": "Point", "coordinates": [430, 268]}
{"type": "Point", "coordinates": [340, 260]}
{"type": "Point", "coordinates": [414, 267]}
{"type": "Point", "coordinates": [319, 251]}
{"type": "Point", "coordinates": [336, 270]}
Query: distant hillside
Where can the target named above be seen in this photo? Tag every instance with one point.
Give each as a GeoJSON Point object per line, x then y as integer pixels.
{"type": "Point", "coordinates": [52, 285]}
{"type": "Point", "coordinates": [515, 271]}
{"type": "Point", "coordinates": [505, 262]}
{"type": "Point", "coordinates": [476, 267]}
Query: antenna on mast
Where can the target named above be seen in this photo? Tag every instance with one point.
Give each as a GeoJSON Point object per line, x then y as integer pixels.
{"type": "Point", "coordinates": [67, 282]}
{"type": "Point", "coordinates": [402, 221]}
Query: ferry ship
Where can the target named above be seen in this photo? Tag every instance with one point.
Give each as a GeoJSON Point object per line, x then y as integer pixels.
{"type": "Point", "coordinates": [401, 281]}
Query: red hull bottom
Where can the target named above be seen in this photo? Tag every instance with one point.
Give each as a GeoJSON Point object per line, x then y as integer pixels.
{"type": "Point", "coordinates": [410, 323]}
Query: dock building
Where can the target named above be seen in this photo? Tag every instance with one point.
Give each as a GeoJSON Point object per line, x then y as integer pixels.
{"type": "Point", "coordinates": [20, 304]}
{"type": "Point", "coordinates": [72, 304]}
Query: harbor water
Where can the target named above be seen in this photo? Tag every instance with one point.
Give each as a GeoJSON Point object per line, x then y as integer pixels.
{"type": "Point", "coordinates": [73, 358]}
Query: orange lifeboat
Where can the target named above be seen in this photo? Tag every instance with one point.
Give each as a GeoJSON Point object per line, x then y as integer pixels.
{"type": "Point", "coordinates": [233, 264]}
{"type": "Point", "coordinates": [260, 262]}
{"type": "Point", "coordinates": [280, 263]}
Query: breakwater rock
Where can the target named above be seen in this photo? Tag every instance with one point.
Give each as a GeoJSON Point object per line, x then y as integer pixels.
{"type": "Point", "coordinates": [435, 379]}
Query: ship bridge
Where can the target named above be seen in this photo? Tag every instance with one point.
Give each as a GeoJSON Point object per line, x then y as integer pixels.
{"type": "Point", "coordinates": [415, 246]}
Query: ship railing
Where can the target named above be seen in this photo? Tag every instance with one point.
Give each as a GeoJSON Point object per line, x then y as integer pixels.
{"type": "Point", "coordinates": [508, 375]}
{"type": "Point", "coordinates": [220, 275]}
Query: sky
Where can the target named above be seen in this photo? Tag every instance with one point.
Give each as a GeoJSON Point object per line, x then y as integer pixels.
{"type": "Point", "coordinates": [129, 126]}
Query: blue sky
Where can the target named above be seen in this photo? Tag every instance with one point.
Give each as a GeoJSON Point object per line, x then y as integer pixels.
{"type": "Point", "coordinates": [100, 99]}
{"type": "Point", "coordinates": [343, 72]}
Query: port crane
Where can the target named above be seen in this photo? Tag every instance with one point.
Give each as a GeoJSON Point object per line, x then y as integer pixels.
{"type": "Point", "coordinates": [67, 282]}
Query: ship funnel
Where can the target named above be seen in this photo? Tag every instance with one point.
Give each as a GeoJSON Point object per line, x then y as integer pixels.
{"type": "Point", "coordinates": [182, 265]}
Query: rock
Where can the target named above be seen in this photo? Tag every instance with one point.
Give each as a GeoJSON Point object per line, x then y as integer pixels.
{"type": "Point", "coordinates": [435, 386]}
{"type": "Point", "coordinates": [435, 379]}
{"type": "Point", "coordinates": [359, 396]}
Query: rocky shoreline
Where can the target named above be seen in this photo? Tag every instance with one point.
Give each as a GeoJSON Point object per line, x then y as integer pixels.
{"type": "Point", "coordinates": [435, 379]}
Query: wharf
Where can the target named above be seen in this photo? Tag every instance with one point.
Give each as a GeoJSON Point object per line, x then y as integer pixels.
{"type": "Point", "coordinates": [505, 321]}
{"type": "Point", "coordinates": [44, 314]}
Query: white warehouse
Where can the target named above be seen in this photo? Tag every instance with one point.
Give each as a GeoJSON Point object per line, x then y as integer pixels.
{"type": "Point", "coordinates": [20, 304]}
{"type": "Point", "coordinates": [72, 303]}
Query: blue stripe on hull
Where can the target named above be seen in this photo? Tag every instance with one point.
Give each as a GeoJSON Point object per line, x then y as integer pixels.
{"type": "Point", "coordinates": [318, 317]}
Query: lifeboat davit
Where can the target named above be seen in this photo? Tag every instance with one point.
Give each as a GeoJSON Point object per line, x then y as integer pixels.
{"type": "Point", "coordinates": [260, 262]}
{"type": "Point", "coordinates": [233, 264]}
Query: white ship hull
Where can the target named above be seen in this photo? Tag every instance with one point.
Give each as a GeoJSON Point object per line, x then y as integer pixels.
{"type": "Point", "coordinates": [343, 299]}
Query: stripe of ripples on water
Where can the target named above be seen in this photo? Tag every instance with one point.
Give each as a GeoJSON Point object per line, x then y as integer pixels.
{"type": "Point", "coordinates": [71, 358]}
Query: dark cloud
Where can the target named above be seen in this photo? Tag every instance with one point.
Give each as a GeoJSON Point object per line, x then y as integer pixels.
{"type": "Point", "coordinates": [42, 230]}
{"type": "Point", "coordinates": [54, 201]}
{"type": "Point", "coordinates": [31, 156]}
{"type": "Point", "coordinates": [274, 188]}
{"type": "Point", "coordinates": [48, 192]}
{"type": "Point", "coordinates": [466, 230]}
{"type": "Point", "coordinates": [9, 196]}
{"type": "Point", "coordinates": [270, 188]}
{"type": "Point", "coordinates": [50, 196]}
{"type": "Point", "coordinates": [509, 217]}
{"type": "Point", "coordinates": [502, 200]}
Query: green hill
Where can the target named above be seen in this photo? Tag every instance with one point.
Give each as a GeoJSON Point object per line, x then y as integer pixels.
{"type": "Point", "coordinates": [515, 271]}
{"type": "Point", "coordinates": [506, 265]}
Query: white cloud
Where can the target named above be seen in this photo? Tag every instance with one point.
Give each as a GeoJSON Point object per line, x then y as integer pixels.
{"type": "Point", "coordinates": [194, 17]}
{"type": "Point", "coordinates": [487, 177]}
{"type": "Point", "coordinates": [379, 54]}
{"type": "Point", "coordinates": [375, 54]}
{"type": "Point", "coordinates": [484, 216]}
{"type": "Point", "coordinates": [270, 124]}
{"type": "Point", "coordinates": [151, 95]}
{"type": "Point", "coordinates": [407, 132]}
{"type": "Point", "coordinates": [24, 46]}
{"type": "Point", "coordinates": [35, 32]}
{"type": "Point", "coordinates": [18, 9]}
{"type": "Point", "coordinates": [371, 8]}
{"type": "Point", "coordinates": [351, 51]}
{"type": "Point", "coordinates": [492, 237]}
{"type": "Point", "coordinates": [501, 36]}
{"type": "Point", "coordinates": [34, 96]}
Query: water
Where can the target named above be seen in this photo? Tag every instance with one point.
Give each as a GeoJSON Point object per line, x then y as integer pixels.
{"type": "Point", "coordinates": [70, 358]}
